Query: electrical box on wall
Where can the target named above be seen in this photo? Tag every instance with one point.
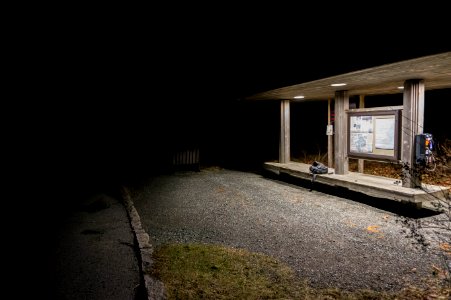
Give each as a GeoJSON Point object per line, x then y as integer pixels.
{"type": "Point", "coordinates": [423, 148]}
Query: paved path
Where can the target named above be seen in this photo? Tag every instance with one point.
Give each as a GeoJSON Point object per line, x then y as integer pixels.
{"type": "Point", "coordinates": [94, 254]}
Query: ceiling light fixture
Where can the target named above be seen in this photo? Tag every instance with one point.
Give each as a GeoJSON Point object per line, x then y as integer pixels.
{"type": "Point", "coordinates": [400, 87]}
{"type": "Point", "coordinates": [338, 84]}
{"type": "Point", "coordinates": [298, 97]}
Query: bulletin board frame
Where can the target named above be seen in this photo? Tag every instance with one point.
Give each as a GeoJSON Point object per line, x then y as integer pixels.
{"type": "Point", "coordinates": [374, 134]}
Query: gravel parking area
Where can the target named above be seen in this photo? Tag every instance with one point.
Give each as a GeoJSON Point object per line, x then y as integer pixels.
{"type": "Point", "coordinates": [331, 241]}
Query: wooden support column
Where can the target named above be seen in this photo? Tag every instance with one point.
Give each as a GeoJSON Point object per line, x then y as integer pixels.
{"type": "Point", "coordinates": [412, 124]}
{"type": "Point", "coordinates": [284, 149]}
{"type": "Point", "coordinates": [341, 132]}
{"type": "Point", "coordinates": [361, 162]}
{"type": "Point", "coordinates": [330, 145]}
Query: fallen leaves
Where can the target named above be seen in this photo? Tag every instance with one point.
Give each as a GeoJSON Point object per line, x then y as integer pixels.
{"type": "Point", "coordinates": [373, 228]}
{"type": "Point", "coordinates": [445, 247]}
{"type": "Point", "coordinates": [439, 177]}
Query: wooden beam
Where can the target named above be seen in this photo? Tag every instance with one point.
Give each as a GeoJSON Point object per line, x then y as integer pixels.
{"type": "Point", "coordinates": [361, 162]}
{"type": "Point", "coordinates": [341, 132]}
{"type": "Point", "coordinates": [284, 149]}
{"type": "Point", "coordinates": [372, 109]}
{"type": "Point", "coordinates": [330, 141]}
{"type": "Point", "coordinates": [412, 124]}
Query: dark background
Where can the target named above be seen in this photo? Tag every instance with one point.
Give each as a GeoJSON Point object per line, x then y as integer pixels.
{"type": "Point", "coordinates": [100, 96]}
{"type": "Point", "coordinates": [104, 95]}
{"type": "Point", "coordinates": [114, 106]}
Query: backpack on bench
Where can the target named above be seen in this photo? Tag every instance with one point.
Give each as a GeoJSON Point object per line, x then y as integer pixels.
{"type": "Point", "coordinates": [318, 168]}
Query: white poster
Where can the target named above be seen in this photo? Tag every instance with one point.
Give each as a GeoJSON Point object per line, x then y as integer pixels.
{"type": "Point", "coordinates": [362, 124]}
{"type": "Point", "coordinates": [385, 133]}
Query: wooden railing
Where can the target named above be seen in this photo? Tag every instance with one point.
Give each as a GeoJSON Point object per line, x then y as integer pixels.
{"type": "Point", "coordinates": [187, 159]}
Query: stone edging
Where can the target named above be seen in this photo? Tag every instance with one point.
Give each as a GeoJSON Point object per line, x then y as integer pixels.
{"type": "Point", "coordinates": [154, 287]}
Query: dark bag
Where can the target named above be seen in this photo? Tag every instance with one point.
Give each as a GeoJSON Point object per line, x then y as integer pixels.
{"type": "Point", "coordinates": [318, 168]}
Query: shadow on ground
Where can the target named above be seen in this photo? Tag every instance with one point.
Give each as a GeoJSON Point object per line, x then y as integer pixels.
{"type": "Point", "coordinates": [402, 209]}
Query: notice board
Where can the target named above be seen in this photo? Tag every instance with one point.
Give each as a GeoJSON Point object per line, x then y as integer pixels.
{"type": "Point", "coordinates": [374, 134]}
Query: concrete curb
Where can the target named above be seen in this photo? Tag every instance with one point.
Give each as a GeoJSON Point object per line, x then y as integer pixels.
{"type": "Point", "coordinates": [154, 287]}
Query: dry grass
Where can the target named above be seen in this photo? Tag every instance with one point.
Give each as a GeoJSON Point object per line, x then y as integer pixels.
{"type": "Point", "coordinates": [205, 271]}
{"type": "Point", "coordinates": [440, 176]}
{"type": "Point", "coordinates": [192, 271]}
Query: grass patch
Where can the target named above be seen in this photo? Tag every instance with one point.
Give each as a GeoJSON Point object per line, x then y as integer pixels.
{"type": "Point", "coordinates": [205, 271]}
{"type": "Point", "coordinates": [191, 271]}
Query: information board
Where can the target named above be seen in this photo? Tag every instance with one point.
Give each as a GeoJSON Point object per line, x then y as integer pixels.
{"type": "Point", "coordinates": [374, 134]}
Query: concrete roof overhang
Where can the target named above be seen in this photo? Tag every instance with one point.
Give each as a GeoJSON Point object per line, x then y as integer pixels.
{"type": "Point", "coordinates": [435, 70]}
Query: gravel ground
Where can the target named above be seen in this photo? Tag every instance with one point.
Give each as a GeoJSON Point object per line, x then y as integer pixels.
{"type": "Point", "coordinates": [329, 240]}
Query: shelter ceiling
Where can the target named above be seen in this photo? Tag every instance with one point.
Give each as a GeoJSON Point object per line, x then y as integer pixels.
{"type": "Point", "coordinates": [435, 70]}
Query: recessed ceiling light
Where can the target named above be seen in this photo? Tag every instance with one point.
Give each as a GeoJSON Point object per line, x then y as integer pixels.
{"type": "Point", "coordinates": [338, 84]}
{"type": "Point", "coordinates": [400, 87]}
{"type": "Point", "coordinates": [298, 97]}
